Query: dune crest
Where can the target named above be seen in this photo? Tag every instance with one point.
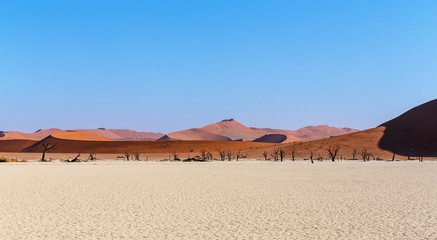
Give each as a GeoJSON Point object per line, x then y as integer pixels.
{"type": "Point", "coordinates": [78, 136]}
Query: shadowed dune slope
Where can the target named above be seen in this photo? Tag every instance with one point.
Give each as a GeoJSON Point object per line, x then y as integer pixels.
{"type": "Point", "coordinates": [415, 131]}
{"type": "Point", "coordinates": [15, 145]}
{"type": "Point", "coordinates": [277, 138]}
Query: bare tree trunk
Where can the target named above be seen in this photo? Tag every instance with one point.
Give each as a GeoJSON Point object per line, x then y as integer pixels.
{"type": "Point", "coordinates": [293, 153]}
{"type": "Point", "coordinates": [47, 147]}
{"type": "Point", "coordinates": [409, 153]}
{"type": "Point", "coordinates": [333, 151]}
{"type": "Point", "coordinates": [265, 154]}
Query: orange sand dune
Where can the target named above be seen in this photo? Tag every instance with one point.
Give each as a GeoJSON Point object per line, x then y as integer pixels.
{"type": "Point", "coordinates": [16, 135]}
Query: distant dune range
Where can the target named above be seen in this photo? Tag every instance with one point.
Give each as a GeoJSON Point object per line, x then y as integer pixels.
{"type": "Point", "coordinates": [110, 134]}
{"type": "Point", "coordinates": [16, 135]}
{"type": "Point", "coordinates": [233, 130]}
{"type": "Point", "coordinates": [226, 130]}
{"type": "Point", "coordinates": [413, 133]}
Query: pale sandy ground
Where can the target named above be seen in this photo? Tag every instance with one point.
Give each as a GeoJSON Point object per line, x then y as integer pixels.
{"type": "Point", "coordinates": [219, 200]}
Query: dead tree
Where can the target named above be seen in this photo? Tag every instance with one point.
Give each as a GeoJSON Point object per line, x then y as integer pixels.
{"type": "Point", "coordinates": [311, 157]}
{"type": "Point", "coordinates": [319, 157]}
{"type": "Point", "coordinates": [365, 155]}
{"type": "Point", "coordinates": [47, 147]}
{"type": "Point", "coordinates": [137, 156]}
{"type": "Point", "coordinates": [354, 154]}
{"type": "Point", "coordinates": [209, 156]}
{"type": "Point", "coordinates": [265, 154]}
{"type": "Point", "coordinates": [409, 153]}
{"type": "Point", "coordinates": [275, 154]}
{"type": "Point", "coordinates": [76, 159]}
{"type": "Point", "coordinates": [229, 155]}
{"type": "Point", "coordinates": [333, 151]}
{"type": "Point", "coordinates": [293, 153]}
{"type": "Point", "coordinates": [176, 156]}
{"type": "Point", "coordinates": [420, 157]}
{"type": "Point", "coordinates": [239, 155]}
{"type": "Point", "coordinates": [92, 156]}
{"type": "Point", "coordinates": [282, 153]}
{"type": "Point", "coordinates": [204, 155]}
{"type": "Point", "coordinates": [222, 154]}
{"type": "Point", "coordinates": [127, 155]}
{"type": "Point", "coordinates": [394, 154]}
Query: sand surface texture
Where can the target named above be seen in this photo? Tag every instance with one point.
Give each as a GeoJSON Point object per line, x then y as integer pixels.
{"type": "Point", "coordinates": [219, 200]}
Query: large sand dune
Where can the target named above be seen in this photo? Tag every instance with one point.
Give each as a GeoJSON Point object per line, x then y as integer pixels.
{"type": "Point", "coordinates": [219, 200]}
{"type": "Point", "coordinates": [415, 131]}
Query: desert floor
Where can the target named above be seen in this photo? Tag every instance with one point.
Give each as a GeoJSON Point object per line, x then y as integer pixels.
{"type": "Point", "coordinates": [219, 200]}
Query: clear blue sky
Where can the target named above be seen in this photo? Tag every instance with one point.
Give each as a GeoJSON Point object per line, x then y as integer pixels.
{"type": "Point", "coordinates": [170, 65]}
